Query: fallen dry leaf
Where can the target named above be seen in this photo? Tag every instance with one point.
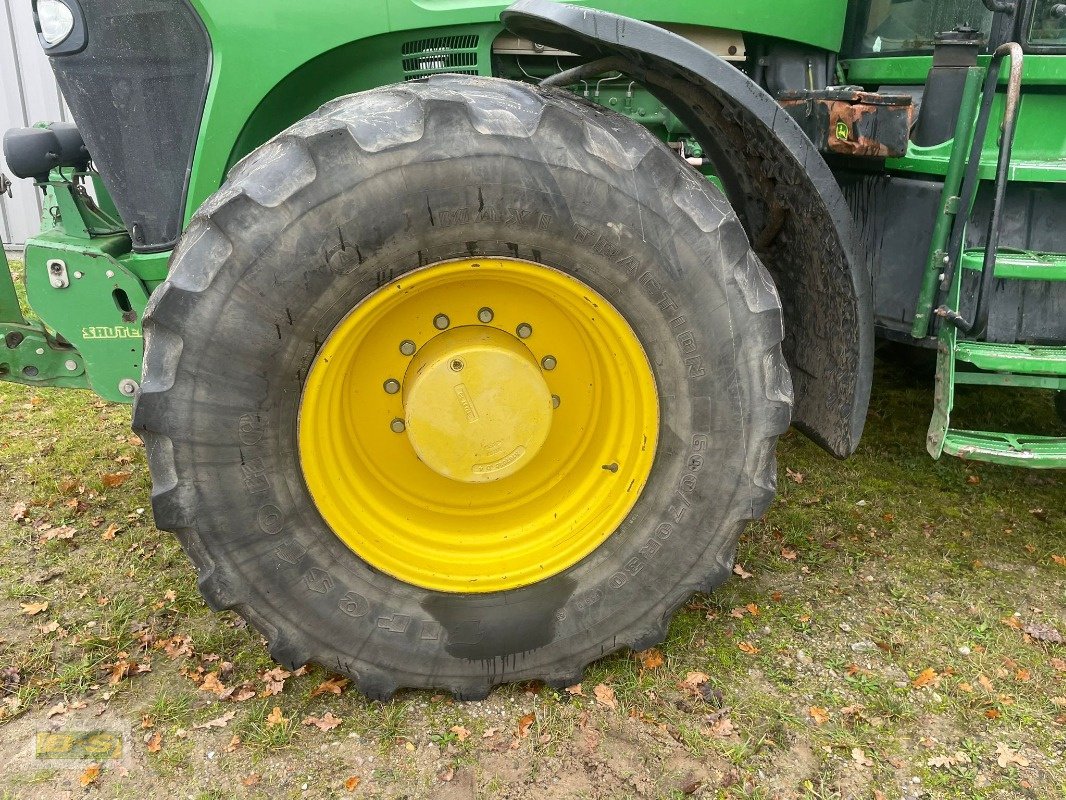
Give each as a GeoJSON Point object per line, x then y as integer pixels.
{"type": "Point", "coordinates": [789, 554]}
{"type": "Point", "coordinates": [62, 532]}
{"type": "Point", "coordinates": [90, 775]}
{"type": "Point", "coordinates": [925, 677]}
{"type": "Point", "coordinates": [721, 728]}
{"type": "Point", "coordinates": [795, 477]}
{"type": "Point", "coordinates": [576, 690]}
{"type": "Point", "coordinates": [859, 757]}
{"type": "Point", "coordinates": [652, 658]}
{"type": "Point", "coordinates": [1043, 633]}
{"type": "Point", "coordinates": [605, 696]}
{"type": "Point", "coordinates": [524, 724]}
{"type": "Point", "coordinates": [353, 783]}
{"type": "Point", "coordinates": [113, 479]}
{"type": "Point", "coordinates": [212, 684]}
{"type": "Point", "coordinates": [252, 779]}
{"type": "Point", "coordinates": [33, 609]}
{"type": "Point", "coordinates": [155, 742]}
{"type": "Point", "coordinates": [1006, 756]}
{"type": "Point", "coordinates": [738, 569]}
{"type": "Point", "coordinates": [943, 762]}
{"type": "Point", "coordinates": [224, 720]}
{"type": "Point", "coordinates": [274, 717]}
{"type": "Point", "coordinates": [986, 684]}
{"type": "Point", "coordinates": [334, 685]}
{"type": "Point", "coordinates": [274, 680]}
{"type": "Point", "coordinates": [110, 532]}
{"type": "Point", "coordinates": [18, 512]}
{"type": "Point", "coordinates": [461, 733]}
{"type": "Point", "coordinates": [326, 722]}
{"type": "Point", "coordinates": [748, 647]}
{"type": "Point", "coordinates": [819, 715]}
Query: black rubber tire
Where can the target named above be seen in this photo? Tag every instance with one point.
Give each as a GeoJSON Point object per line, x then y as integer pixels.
{"type": "Point", "coordinates": [377, 184]}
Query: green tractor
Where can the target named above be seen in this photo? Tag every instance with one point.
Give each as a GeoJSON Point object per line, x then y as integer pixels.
{"type": "Point", "coordinates": [460, 337]}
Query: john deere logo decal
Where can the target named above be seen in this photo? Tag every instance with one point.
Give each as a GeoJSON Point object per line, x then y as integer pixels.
{"type": "Point", "coordinates": [843, 131]}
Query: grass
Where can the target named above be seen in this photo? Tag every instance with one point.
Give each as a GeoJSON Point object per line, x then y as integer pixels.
{"type": "Point", "coordinates": [887, 598]}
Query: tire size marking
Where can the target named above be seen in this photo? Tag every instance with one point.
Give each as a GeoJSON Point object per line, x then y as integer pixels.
{"type": "Point", "coordinates": [686, 339]}
{"type": "Point", "coordinates": [686, 485]}
{"type": "Point", "coordinates": [510, 217]}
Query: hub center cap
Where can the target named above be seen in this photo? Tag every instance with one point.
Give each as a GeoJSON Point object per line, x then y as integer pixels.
{"type": "Point", "coordinates": [476, 403]}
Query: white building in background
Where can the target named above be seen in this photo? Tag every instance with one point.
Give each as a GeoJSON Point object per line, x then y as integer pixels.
{"type": "Point", "coordinates": [28, 94]}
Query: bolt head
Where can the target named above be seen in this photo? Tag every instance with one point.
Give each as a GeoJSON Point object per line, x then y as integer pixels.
{"type": "Point", "coordinates": [392, 386]}
{"type": "Point", "coordinates": [398, 426]}
{"type": "Point", "coordinates": [549, 363]}
{"type": "Point", "coordinates": [486, 315]}
{"type": "Point", "coordinates": [441, 322]}
{"type": "Point", "coordinates": [128, 387]}
{"type": "Point", "coordinates": [556, 401]}
{"type": "Point", "coordinates": [71, 365]}
{"type": "Point", "coordinates": [408, 348]}
{"type": "Point", "coordinates": [457, 365]}
{"type": "Point", "coordinates": [524, 331]}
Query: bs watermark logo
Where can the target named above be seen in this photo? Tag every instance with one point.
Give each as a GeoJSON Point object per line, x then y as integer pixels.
{"type": "Point", "coordinates": [79, 745]}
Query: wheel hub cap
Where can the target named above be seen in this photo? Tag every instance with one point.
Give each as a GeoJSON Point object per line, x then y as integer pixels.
{"type": "Point", "coordinates": [478, 425]}
{"type": "Point", "coordinates": [477, 406]}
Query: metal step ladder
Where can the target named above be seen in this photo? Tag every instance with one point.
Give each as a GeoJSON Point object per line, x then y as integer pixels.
{"type": "Point", "coordinates": [963, 357]}
{"type": "Point", "coordinates": [964, 361]}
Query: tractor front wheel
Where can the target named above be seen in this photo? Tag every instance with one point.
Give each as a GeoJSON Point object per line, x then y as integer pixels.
{"type": "Point", "coordinates": [462, 382]}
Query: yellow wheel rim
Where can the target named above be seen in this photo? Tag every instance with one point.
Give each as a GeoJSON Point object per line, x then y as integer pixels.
{"type": "Point", "coordinates": [478, 425]}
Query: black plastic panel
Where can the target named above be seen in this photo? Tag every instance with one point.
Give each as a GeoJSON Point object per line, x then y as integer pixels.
{"type": "Point", "coordinates": [137, 91]}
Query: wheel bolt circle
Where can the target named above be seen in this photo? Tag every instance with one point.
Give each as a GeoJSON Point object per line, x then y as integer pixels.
{"type": "Point", "coordinates": [524, 330]}
{"type": "Point", "coordinates": [441, 322]}
{"type": "Point", "coordinates": [398, 426]}
{"type": "Point", "coordinates": [408, 348]}
{"type": "Point", "coordinates": [392, 386]}
{"type": "Point", "coordinates": [549, 363]}
{"type": "Point", "coordinates": [486, 315]}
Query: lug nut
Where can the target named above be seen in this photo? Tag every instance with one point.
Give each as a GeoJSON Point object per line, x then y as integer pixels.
{"type": "Point", "coordinates": [556, 401]}
{"type": "Point", "coordinates": [549, 363]}
{"type": "Point", "coordinates": [441, 322]}
{"type": "Point", "coordinates": [392, 386]}
{"type": "Point", "coordinates": [524, 331]}
{"type": "Point", "coordinates": [408, 348]}
{"type": "Point", "coordinates": [457, 365]}
{"type": "Point", "coordinates": [485, 315]}
{"type": "Point", "coordinates": [398, 426]}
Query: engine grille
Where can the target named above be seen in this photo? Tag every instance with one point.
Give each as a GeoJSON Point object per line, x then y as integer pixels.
{"type": "Point", "coordinates": [441, 54]}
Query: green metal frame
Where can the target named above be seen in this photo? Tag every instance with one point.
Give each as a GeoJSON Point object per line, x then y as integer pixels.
{"type": "Point", "coordinates": [267, 75]}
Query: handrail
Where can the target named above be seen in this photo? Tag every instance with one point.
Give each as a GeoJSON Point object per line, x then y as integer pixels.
{"type": "Point", "coordinates": [972, 181]}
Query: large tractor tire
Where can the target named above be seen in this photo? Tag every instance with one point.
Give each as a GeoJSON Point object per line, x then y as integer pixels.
{"type": "Point", "coordinates": [462, 382]}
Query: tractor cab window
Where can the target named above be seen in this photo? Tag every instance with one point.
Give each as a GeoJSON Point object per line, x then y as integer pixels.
{"type": "Point", "coordinates": [1047, 31]}
{"type": "Point", "coordinates": [901, 27]}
